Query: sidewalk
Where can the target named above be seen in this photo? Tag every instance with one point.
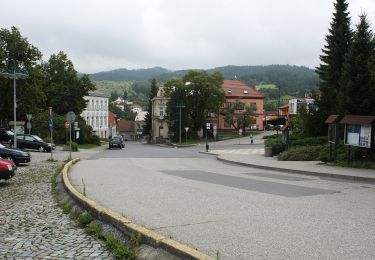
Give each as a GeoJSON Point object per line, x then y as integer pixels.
{"type": "Point", "coordinates": [306, 167]}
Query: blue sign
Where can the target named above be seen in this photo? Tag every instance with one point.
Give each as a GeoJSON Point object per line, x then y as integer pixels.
{"type": "Point", "coordinates": [50, 124]}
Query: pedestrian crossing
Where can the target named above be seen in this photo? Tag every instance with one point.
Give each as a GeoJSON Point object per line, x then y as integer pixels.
{"type": "Point", "coordinates": [238, 151]}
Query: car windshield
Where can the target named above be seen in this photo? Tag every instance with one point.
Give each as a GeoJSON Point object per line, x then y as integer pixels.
{"type": "Point", "coordinates": [116, 139]}
{"type": "Point", "coordinates": [38, 138]}
{"type": "Point", "coordinates": [9, 132]}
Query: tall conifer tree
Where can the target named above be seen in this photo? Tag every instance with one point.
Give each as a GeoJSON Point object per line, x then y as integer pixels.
{"type": "Point", "coordinates": [153, 92]}
{"type": "Point", "coordinates": [332, 60]}
{"type": "Point", "coordinates": [357, 94]}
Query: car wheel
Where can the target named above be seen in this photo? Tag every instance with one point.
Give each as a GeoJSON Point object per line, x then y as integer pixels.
{"type": "Point", "coordinates": [41, 149]}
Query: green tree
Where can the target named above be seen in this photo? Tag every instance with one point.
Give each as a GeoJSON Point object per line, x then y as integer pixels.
{"type": "Point", "coordinates": [17, 54]}
{"type": "Point", "coordinates": [153, 92]}
{"type": "Point", "coordinates": [358, 91]}
{"type": "Point", "coordinates": [63, 89]}
{"type": "Point", "coordinates": [201, 93]}
{"type": "Point", "coordinates": [332, 60]}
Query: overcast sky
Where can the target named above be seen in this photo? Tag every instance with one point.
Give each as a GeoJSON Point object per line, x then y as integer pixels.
{"type": "Point", "coordinates": [177, 34]}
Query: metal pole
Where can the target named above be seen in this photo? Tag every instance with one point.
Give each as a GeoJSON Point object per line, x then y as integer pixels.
{"type": "Point", "coordinates": [14, 110]}
{"type": "Point", "coordinates": [180, 125]}
{"type": "Point", "coordinates": [70, 137]}
{"type": "Point", "coordinates": [278, 115]}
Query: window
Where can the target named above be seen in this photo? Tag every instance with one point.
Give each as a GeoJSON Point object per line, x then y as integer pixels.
{"type": "Point", "coordinates": [161, 111]}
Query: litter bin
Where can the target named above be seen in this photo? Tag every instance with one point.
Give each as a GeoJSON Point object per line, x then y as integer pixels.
{"type": "Point", "coordinates": [268, 151]}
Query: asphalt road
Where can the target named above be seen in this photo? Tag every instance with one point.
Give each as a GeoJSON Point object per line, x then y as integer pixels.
{"type": "Point", "coordinates": [236, 212]}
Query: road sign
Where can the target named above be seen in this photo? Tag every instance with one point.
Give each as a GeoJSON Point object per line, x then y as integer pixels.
{"type": "Point", "coordinates": [240, 131]}
{"type": "Point", "coordinates": [28, 125]}
{"type": "Point", "coordinates": [67, 124]}
{"type": "Point", "coordinates": [50, 111]}
{"type": "Point", "coordinates": [208, 126]}
{"type": "Point", "coordinates": [186, 129]}
{"type": "Point", "coordinates": [215, 127]}
{"type": "Point", "coordinates": [29, 116]}
{"type": "Point", "coordinates": [75, 125]}
{"type": "Point", "coordinates": [50, 124]}
{"type": "Point", "coordinates": [70, 116]}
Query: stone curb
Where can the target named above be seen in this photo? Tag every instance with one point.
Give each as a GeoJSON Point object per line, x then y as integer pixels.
{"type": "Point", "coordinates": [127, 226]}
{"type": "Point", "coordinates": [321, 174]}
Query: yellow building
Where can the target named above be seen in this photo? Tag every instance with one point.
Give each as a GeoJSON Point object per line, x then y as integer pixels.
{"type": "Point", "coordinates": [159, 123]}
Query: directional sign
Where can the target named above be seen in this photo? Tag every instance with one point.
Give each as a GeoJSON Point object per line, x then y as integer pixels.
{"type": "Point", "coordinates": [67, 124]}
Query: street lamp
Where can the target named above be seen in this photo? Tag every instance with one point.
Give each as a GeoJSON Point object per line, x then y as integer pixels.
{"type": "Point", "coordinates": [14, 75]}
{"type": "Point", "coordinates": [180, 106]}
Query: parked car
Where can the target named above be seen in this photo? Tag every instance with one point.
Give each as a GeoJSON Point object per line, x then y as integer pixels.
{"type": "Point", "coordinates": [7, 169]}
{"type": "Point", "coordinates": [15, 155]}
{"type": "Point", "coordinates": [6, 137]}
{"type": "Point", "coordinates": [115, 142]}
{"type": "Point", "coordinates": [122, 140]}
{"type": "Point", "coordinates": [269, 127]}
{"type": "Point", "coordinates": [25, 141]}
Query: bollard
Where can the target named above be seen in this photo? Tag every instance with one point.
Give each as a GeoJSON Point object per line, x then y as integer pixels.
{"type": "Point", "coordinates": [207, 147]}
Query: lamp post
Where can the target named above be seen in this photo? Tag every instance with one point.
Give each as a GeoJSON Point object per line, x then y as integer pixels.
{"type": "Point", "coordinates": [14, 75]}
{"type": "Point", "coordinates": [180, 106]}
{"type": "Point", "coordinates": [278, 114]}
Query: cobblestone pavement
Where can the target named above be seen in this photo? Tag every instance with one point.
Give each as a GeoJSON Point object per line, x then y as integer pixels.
{"type": "Point", "coordinates": [32, 226]}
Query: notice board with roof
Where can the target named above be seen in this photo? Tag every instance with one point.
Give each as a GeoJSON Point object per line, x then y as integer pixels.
{"type": "Point", "coordinates": [359, 131]}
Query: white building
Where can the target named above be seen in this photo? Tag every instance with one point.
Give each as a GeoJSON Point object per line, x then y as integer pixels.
{"type": "Point", "coordinates": [96, 113]}
{"type": "Point", "coordinates": [296, 103]}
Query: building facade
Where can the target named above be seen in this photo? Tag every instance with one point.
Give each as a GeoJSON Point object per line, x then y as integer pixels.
{"type": "Point", "coordinates": [238, 92]}
{"type": "Point", "coordinates": [96, 113]}
{"type": "Point", "coordinates": [160, 128]}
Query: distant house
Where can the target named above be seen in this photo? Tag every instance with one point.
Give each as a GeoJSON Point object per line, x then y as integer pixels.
{"type": "Point", "coordinates": [296, 103]}
{"type": "Point", "coordinates": [96, 113]}
{"type": "Point", "coordinates": [112, 124]}
{"type": "Point", "coordinates": [126, 129]}
{"type": "Point", "coordinates": [135, 108]}
{"type": "Point", "coordinates": [140, 121]}
{"type": "Point", "coordinates": [235, 91]}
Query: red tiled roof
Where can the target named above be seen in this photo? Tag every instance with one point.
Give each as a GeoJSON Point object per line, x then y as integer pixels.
{"type": "Point", "coordinates": [238, 88]}
{"type": "Point", "coordinates": [331, 119]}
{"type": "Point", "coordinates": [125, 125]}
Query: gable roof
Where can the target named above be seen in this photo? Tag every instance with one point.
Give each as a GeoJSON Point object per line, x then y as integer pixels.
{"type": "Point", "coordinates": [358, 120]}
{"type": "Point", "coordinates": [236, 88]}
{"type": "Point", "coordinates": [125, 125]}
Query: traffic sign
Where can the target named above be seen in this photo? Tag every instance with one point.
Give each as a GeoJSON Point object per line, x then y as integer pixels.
{"type": "Point", "coordinates": [186, 128]}
{"type": "Point", "coordinates": [240, 131]}
{"type": "Point", "coordinates": [67, 124]}
{"type": "Point", "coordinates": [28, 125]}
{"type": "Point", "coordinates": [29, 116]}
{"type": "Point", "coordinates": [70, 116]}
{"type": "Point", "coordinates": [208, 126]}
{"type": "Point", "coordinates": [50, 123]}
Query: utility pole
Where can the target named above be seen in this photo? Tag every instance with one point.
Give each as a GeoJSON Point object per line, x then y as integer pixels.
{"type": "Point", "coordinates": [278, 114]}
{"type": "Point", "coordinates": [180, 106]}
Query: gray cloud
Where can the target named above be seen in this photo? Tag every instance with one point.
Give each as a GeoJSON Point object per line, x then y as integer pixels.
{"type": "Point", "coordinates": [99, 35]}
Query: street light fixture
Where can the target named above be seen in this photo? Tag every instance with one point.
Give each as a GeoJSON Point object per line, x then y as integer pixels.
{"type": "Point", "coordinates": [14, 76]}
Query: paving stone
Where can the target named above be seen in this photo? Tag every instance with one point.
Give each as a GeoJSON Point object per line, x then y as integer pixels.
{"type": "Point", "coordinates": [32, 226]}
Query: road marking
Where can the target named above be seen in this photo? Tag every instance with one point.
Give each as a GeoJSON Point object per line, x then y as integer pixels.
{"type": "Point", "coordinates": [238, 151]}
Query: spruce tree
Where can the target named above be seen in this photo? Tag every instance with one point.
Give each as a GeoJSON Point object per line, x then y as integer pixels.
{"type": "Point", "coordinates": [153, 92]}
{"type": "Point", "coordinates": [357, 89]}
{"type": "Point", "coordinates": [332, 60]}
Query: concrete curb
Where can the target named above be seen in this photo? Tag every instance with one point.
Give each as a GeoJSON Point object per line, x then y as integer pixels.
{"type": "Point", "coordinates": [127, 226]}
{"type": "Point", "coordinates": [320, 174]}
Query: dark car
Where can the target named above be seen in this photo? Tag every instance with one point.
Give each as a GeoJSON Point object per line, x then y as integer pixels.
{"type": "Point", "coordinates": [6, 137]}
{"type": "Point", "coordinates": [33, 142]}
{"type": "Point", "coordinates": [15, 155]}
{"type": "Point", "coordinates": [122, 140]}
{"type": "Point", "coordinates": [115, 142]}
{"type": "Point", "coordinates": [269, 127]}
{"type": "Point", "coordinates": [7, 169]}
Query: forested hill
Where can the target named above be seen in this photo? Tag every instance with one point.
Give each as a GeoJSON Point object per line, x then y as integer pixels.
{"type": "Point", "coordinates": [125, 74]}
{"type": "Point", "coordinates": [294, 80]}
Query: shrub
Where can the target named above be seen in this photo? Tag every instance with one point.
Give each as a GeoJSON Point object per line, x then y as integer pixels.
{"type": "Point", "coordinates": [304, 153]}
{"type": "Point", "coordinates": [309, 141]}
{"type": "Point", "coordinates": [85, 219]}
{"type": "Point", "coordinates": [74, 146]}
{"type": "Point", "coordinates": [276, 144]}
{"type": "Point", "coordinates": [95, 140]}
